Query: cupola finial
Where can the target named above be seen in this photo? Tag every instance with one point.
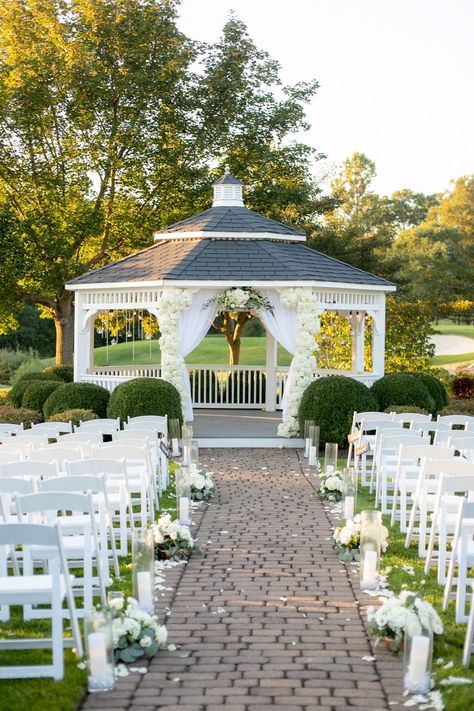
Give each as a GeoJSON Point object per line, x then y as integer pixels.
{"type": "Point", "coordinates": [228, 191]}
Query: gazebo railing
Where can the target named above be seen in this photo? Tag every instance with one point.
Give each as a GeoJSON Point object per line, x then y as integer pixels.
{"type": "Point", "coordinates": [219, 386]}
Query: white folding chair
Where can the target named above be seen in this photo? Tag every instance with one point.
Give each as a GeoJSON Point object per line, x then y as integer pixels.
{"type": "Point", "coordinates": [60, 455]}
{"type": "Point", "coordinates": [410, 418]}
{"type": "Point", "coordinates": [451, 488]}
{"type": "Point", "coordinates": [148, 437]}
{"type": "Point", "coordinates": [462, 558]}
{"type": "Point", "coordinates": [57, 428]}
{"type": "Point", "coordinates": [456, 420]}
{"type": "Point", "coordinates": [386, 464]}
{"type": "Point", "coordinates": [84, 447]}
{"type": "Point", "coordinates": [16, 444]}
{"type": "Point", "coordinates": [8, 428]}
{"type": "Point", "coordinates": [118, 493]}
{"type": "Point", "coordinates": [81, 437]}
{"type": "Point", "coordinates": [431, 428]}
{"type": "Point", "coordinates": [29, 470]}
{"type": "Point", "coordinates": [391, 429]}
{"type": "Point", "coordinates": [80, 540]}
{"type": "Point", "coordinates": [357, 419]}
{"type": "Point", "coordinates": [35, 441]}
{"type": "Point", "coordinates": [158, 422]}
{"type": "Point", "coordinates": [139, 475]}
{"type": "Point", "coordinates": [97, 486]}
{"type": "Point", "coordinates": [410, 457]}
{"type": "Point", "coordinates": [105, 425]}
{"type": "Point", "coordinates": [464, 445]}
{"type": "Point", "coordinates": [10, 456]}
{"type": "Point", "coordinates": [468, 649]}
{"type": "Point", "coordinates": [425, 496]}
{"type": "Point", "coordinates": [31, 588]}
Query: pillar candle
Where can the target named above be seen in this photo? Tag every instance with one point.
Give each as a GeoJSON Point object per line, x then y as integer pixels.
{"type": "Point", "coordinates": [312, 456]}
{"type": "Point", "coordinates": [97, 648]}
{"type": "Point", "coordinates": [307, 445]}
{"type": "Point", "coordinates": [418, 662]}
{"type": "Point", "coordinates": [183, 509]}
{"type": "Point", "coordinates": [349, 508]}
{"type": "Point", "coordinates": [175, 446]}
{"type": "Point", "coordinates": [145, 590]}
{"type": "Point", "coordinates": [329, 469]}
{"type": "Point", "coordinates": [369, 573]}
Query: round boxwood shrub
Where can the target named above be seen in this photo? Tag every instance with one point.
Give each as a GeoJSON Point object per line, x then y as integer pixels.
{"type": "Point", "coordinates": [15, 395]}
{"type": "Point", "coordinates": [75, 416]}
{"type": "Point", "coordinates": [402, 389]}
{"type": "Point", "coordinates": [17, 415]}
{"type": "Point", "coordinates": [435, 388]}
{"type": "Point", "coordinates": [145, 396]}
{"type": "Point", "coordinates": [72, 396]}
{"type": "Point", "coordinates": [61, 372]}
{"type": "Point", "coordinates": [331, 402]}
{"type": "Point", "coordinates": [38, 392]}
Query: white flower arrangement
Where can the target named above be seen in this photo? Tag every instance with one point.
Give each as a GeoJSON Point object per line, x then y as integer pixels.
{"type": "Point", "coordinates": [346, 539]}
{"type": "Point", "coordinates": [135, 633]}
{"type": "Point", "coordinates": [202, 486]}
{"type": "Point", "coordinates": [304, 362]}
{"type": "Point", "coordinates": [403, 613]}
{"type": "Point", "coordinates": [330, 486]}
{"type": "Point", "coordinates": [243, 298]}
{"type": "Point", "coordinates": [173, 541]}
{"type": "Point", "coordinates": [170, 305]}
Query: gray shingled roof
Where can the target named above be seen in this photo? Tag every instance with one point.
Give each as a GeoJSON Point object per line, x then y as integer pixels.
{"type": "Point", "coordinates": [229, 260]}
{"type": "Point", "coordinates": [227, 179]}
{"type": "Point", "coordinates": [230, 219]}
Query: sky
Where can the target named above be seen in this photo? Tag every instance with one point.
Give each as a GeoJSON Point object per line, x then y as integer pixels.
{"type": "Point", "coordinates": [396, 78]}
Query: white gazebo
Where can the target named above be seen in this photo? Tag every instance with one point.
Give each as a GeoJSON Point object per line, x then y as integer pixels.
{"type": "Point", "coordinates": [191, 264]}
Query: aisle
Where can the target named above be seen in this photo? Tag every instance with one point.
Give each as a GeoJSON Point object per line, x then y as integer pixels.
{"type": "Point", "coordinates": [266, 616]}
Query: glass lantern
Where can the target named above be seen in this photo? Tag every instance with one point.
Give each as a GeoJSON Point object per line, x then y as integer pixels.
{"type": "Point", "coordinates": [330, 457]}
{"type": "Point", "coordinates": [370, 545]}
{"type": "Point", "coordinates": [143, 569]}
{"type": "Point", "coordinates": [349, 492]}
{"type": "Point", "coordinates": [307, 440]}
{"type": "Point", "coordinates": [100, 651]}
{"type": "Point", "coordinates": [187, 431]}
{"type": "Point", "coordinates": [417, 659]}
{"type": "Point", "coordinates": [313, 452]}
{"type": "Point", "coordinates": [193, 455]}
{"type": "Point", "coordinates": [174, 430]}
{"type": "Point", "coordinates": [183, 494]}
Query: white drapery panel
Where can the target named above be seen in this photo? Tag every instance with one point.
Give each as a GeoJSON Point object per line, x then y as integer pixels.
{"type": "Point", "coordinates": [282, 324]}
{"type": "Point", "coordinates": [193, 327]}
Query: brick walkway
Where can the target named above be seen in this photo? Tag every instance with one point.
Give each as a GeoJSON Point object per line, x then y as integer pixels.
{"type": "Point", "coordinates": [267, 615]}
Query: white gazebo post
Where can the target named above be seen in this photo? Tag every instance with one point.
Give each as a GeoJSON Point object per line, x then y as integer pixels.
{"type": "Point", "coordinates": [357, 320]}
{"type": "Point", "coordinates": [378, 340]}
{"type": "Point", "coordinates": [83, 338]}
{"type": "Point", "coordinates": [271, 366]}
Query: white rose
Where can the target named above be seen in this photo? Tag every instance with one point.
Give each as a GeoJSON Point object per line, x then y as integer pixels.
{"type": "Point", "coordinates": [145, 642]}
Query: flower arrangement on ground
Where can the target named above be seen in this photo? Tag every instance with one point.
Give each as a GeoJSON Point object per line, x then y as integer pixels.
{"type": "Point", "coordinates": [330, 486]}
{"type": "Point", "coordinates": [202, 486]}
{"type": "Point", "coordinates": [135, 633]}
{"type": "Point", "coordinates": [403, 613]}
{"type": "Point", "coordinates": [243, 298]}
{"type": "Point", "coordinates": [172, 540]}
{"type": "Point", "coordinates": [346, 539]}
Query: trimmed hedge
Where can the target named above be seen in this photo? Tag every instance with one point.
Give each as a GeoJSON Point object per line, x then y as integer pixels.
{"type": "Point", "coordinates": [15, 395]}
{"type": "Point", "coordinates": [402, 389]}
{"type": "Point", "coordinates": [435, 388]}
{"type": "Point", "coordinates": [331, 402]}
{"type": "Point", "coordinates": [17, 415]}
{"type": "Point", "coordinates": [400, 409]}
{"type": "Point", "coordinates": [145, 396]}
{"type": "Point", "coordinates": [459, 407]}
{"type": "Point", "coordinates": [38, 392]}
{"type": "Point", "coordinates": [61, 372]}
{"type": "Point", "coordinates": [73, 396]}
{"type": "Point", "coordinates": [75, 416]}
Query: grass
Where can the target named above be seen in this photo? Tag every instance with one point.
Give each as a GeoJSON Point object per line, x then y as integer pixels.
{"type": "Point", "coordinates": [448, 328]}
{"type": "Point", "coordinates": [212, 350]}
{"type": "Point", "coordinates": [447, 646]}
{"type": "Point", "coordinates": [47, 694]}
{"type": "Point", "coordinates": [450, 359]}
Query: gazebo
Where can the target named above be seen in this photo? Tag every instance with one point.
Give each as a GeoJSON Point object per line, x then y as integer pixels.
{"type": "Point", "coordinates": [231, 254]}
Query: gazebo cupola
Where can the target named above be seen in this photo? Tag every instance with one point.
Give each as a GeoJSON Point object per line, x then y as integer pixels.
{"type": "Point", "coordinates": [179, 278]}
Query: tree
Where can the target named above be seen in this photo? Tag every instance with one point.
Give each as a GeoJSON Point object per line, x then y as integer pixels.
{"type": "Point", "coordinates": [107, 134]}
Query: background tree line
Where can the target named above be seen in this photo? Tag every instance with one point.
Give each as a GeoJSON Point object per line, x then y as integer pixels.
{"type": "Point", "coordinates": [114, 124]}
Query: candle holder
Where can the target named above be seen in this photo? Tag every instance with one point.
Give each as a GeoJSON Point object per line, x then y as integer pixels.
{"type": "Point", "coordinates": [143, 569]}
{"type": "Point", "coordinates": [313, 452]}
{"type": "Point", "coordinates": [370, 545]}
{"type": "Point", "coordinates": [307, 440]}
{"type": "Point", "coordinates": [330, 457]}
{"type": "Point", "coordinates": [116, 599]}
{"type": "Point", "coordinates": [100, 651]}
{"type": "Point", "coordinates": [187, 431]}
{"type": "Point", "coordinates": [349, 492]}
{"type": "Point", "coordinates": [193, 455]}
{"type": "Point", "coordinates": [183, 494]}
{"type": "Point", "coordinates": [417, 659]}
{"type": "Point", "coordinates": [174, 430]}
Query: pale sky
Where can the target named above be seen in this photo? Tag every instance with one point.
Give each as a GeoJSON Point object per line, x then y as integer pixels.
{"type": "Point", "coordinates": [396, 77]}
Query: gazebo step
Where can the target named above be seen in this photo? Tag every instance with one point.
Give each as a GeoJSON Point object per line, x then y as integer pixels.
{"type": "Point", "coordinates": [255, 442]}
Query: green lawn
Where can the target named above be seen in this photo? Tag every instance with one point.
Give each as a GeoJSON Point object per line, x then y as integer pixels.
{"type": "Point", "coordinates": [448, 359]}
{"type": "Point", "coordinates": [446, 328]}
{"type": "Point", "coordinates": [447, 646]}
{"type": "Point", "coordinates": [212, 350]}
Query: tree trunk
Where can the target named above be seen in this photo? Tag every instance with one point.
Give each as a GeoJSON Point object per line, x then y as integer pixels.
{"type": "Point", "coordinates": [64, 323]}
{"type": "Point", "coordinates": [234, 349]}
